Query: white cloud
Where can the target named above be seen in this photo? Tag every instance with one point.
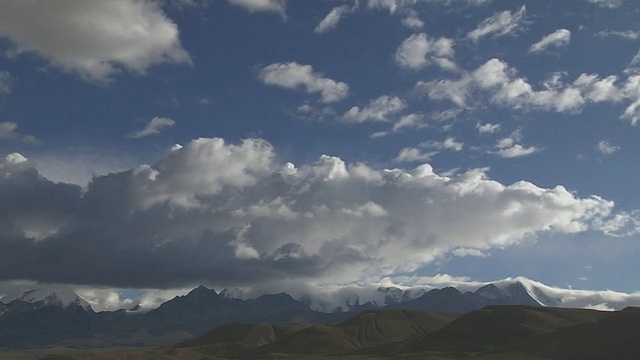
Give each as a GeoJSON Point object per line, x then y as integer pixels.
{"type": "Point", "coordinates": [6, 81]}
{"type": "Point", "coordinates": [509, 147]}
{"type": "Point", "coordinates": [333, 17]}
{"type": "Point", "coordinates": [558, 38]}
{"type": "Point", "coordinates": [409, 121]}
{"type": "Point", "coordinates": [449, 143]}
{"type": "Point", "coordinates": [227, 215]}
{"type": "Point", "coordinates": [378, 110]}
{"type": "Point", "coordinates": [487, 128]}
{"type": "Point", "coordinates": [626, 34]}
{"type": "Point", "coordinates": [171, 181]}
{"type": "Point", "coordinates": [505, 88]}
{"type": "Point", "coordinates": [292, 75]}
{"type": "Point", "coordinates": [418, 50]}
{"type": "Point", "coordinates": [94, 39]}
{"type": "Point", "coordinates": [8, 129]}
{"type": "Point", "coordinates": [261, 5]}
{"type": "Point", "coordinates": [412, 21]}
{"type": "Point", "coordinates": [500, 24]}
{"type": "Point", "coordinates": [154, 126]}
{"type": "Point", "coordinates": [463, 252]}
{"type": "Point", "coordinates": [611, 4]}
{"type": "Point", "coordinates": [606, 148]}
{"type": "Point", "coordinates": [410, 154]}
{"type": "Point", "coordinates": [391, 5]}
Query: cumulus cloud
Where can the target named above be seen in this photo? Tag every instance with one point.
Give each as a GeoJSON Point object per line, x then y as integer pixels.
{"type": "Point", "coordinates": [333, 17]}
{"type": "Point", "coordinates": [378, 110]}
{"type": "Point", "coordinates": [292, 75]}
{"type": "Point", "coordinates": [412, 21]}
{"type": "Point", "coordinates": [154, 126]}
{"type": "Point", "coordinates": [500, 24]}
{"type": "Point", "coordinates": [558, 38]}
{"type": "Point", "coordinates": [418, 50]}
{"type": "Point", "coordinates": [606, 148]}
{"type": "Point", "coordinates": [509, 147]}
{"type": "Point", "coordinates": [94, 39]}
{"type": "Point", "coordinates": [261, 5]}
{"type": "Point", "coordinates": [487, 128]}
{"type": "Point", "coordinates": [225, 215]}
{"type": "Point", "coordinates": [504, 87]}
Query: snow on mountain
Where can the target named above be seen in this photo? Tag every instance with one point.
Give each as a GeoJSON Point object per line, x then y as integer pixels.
{"type": "Point", "coordinates": [48, 296]}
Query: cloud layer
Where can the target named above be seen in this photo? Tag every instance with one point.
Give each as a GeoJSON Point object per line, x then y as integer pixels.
{"type": "Point", "coordinates": [231, 215]}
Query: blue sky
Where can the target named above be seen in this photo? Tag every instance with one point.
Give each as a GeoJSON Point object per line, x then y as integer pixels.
{"type": "Point", "coordinates": [525, 112]}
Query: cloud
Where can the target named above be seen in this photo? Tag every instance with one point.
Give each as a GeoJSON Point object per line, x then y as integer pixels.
{"type": "Point", "coordinates": [390, 5]}
{"type": "Point", "coordinates": [261, 5]}
{"type": "Point", "coordinates": [231, 215]}
{"type": "Point", "coordinates": [449, 143]}
{"type": "Point", "coordinates": [504, 88]}
{"type": "Point", "coordinates": [508, 147]}
{"type": "Point", "coordinates": [154, 126]}
{"type": "Point", "coordinates": [611, 4]}
{"type": "Point", "coordinates": [605, 148]}
{"type": "Point", "coordinates": [378, 110]}
{"type": "Point", "coordinates": [463, 252]}
{"type": "Point", "coordinates": [558, 38]}
{"type": "Point", "coordinates": [626, 34]}
{"type": "Point", "coordinates": [487, 128]}
{"type": "Point", "coordinates": [409, 121]}
{"type": "Point", "coordinates": [8, 129]}
{"type": "Point", "coordinates": [94, 39]}
{"type": "Point", "coordinates": [500, 24]}
{"type": "Point", "coordinates": [412, 21]}
{"type": "Point", "coordinates": [418, 50]}
{"type": "Point", "coordinates": [6, 81]}
{"type": "Point", "coordinates": [292, 75]}
{"type": "Point", "coordinates": [333, 17]}
{"type": "Point", "coordinates": [410, 154]}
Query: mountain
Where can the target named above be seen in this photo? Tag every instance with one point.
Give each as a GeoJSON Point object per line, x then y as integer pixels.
{"type": "Point", "coordinates": [43, 318]}
{"type": "Point", "coordinates": [494, 332]}
{"type": "Point", "coordinates": [42, 297]}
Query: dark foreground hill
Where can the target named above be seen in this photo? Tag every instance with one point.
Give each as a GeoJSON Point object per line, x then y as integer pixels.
{"type": "Point", "coordinates": [494, 332]}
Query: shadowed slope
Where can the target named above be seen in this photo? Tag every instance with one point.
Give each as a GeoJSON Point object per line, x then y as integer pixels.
{"type": "Point", "coordinates": [616, 336]}
{"type": "Point", "coordinates": [368, 329]}
{"type": "Point", "coordinates": [233, 338]}
{"type": "Point", "coordinates": [495, 327]}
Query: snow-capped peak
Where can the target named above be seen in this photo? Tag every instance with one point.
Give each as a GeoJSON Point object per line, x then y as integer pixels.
{"type": "Point", "coordinates": [48, 296]}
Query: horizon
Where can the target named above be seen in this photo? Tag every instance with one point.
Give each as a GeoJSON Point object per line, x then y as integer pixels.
{"type": "Point", "coordinates": [147, 146]}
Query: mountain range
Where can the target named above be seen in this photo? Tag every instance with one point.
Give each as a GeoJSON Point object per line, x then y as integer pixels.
{"type": "Point", "coordinates": [40, 318]}
{"type": "Point", "coordinates": [493, 332]}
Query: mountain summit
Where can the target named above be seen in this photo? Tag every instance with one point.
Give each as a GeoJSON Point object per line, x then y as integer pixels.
{"type": "Point", "coordinates": [42, 297]}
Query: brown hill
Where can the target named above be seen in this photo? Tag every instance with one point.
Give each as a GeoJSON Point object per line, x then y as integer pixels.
{"type": "Point", "coordinates": [368, 329]}
{"type": "Point", "coordinates": [496, 327]}
{"type": "Point", "coordinates": [233, 338]}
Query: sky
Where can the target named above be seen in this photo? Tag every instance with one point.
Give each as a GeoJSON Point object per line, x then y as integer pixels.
{"type": "Point", "coordinates": [148, 146]}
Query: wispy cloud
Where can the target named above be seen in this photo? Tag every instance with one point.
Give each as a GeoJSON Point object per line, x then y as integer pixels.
{"type": "Point", "coordinates": [154, 126]}
{"type": "Point", "coordinates": [558, 38]}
